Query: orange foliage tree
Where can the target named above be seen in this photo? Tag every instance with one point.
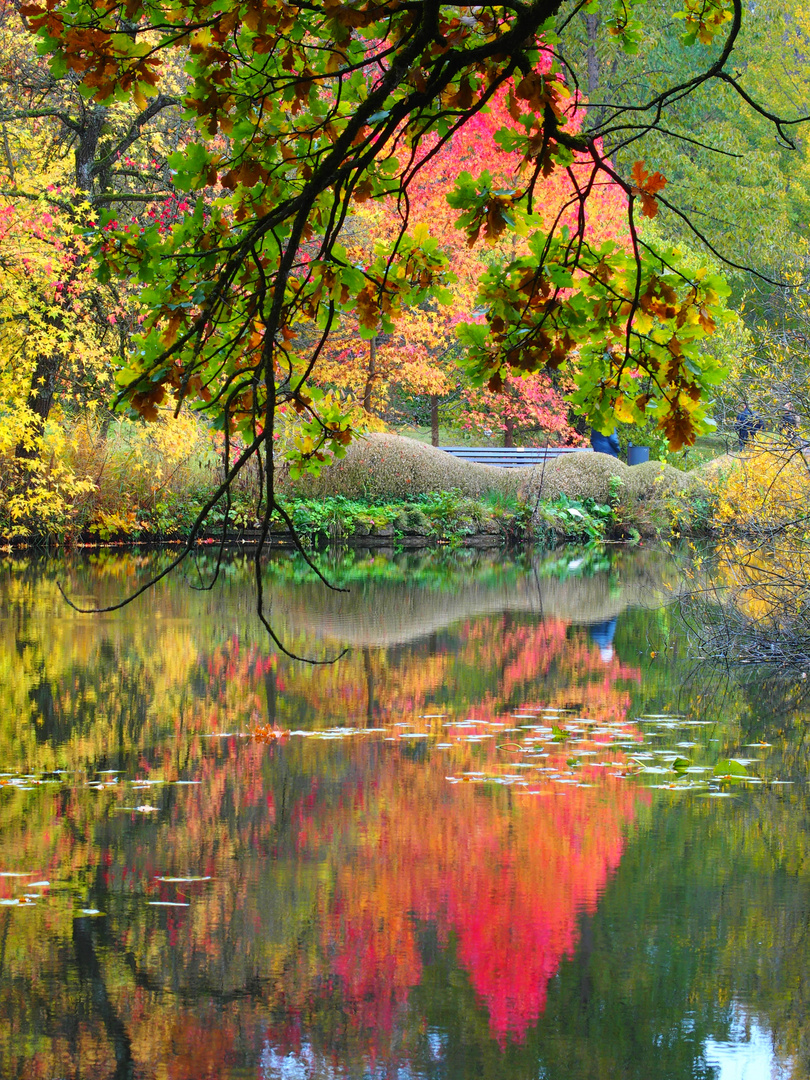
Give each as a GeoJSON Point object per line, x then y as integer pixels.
{"type": "Point", "coordinates": [420, 355]}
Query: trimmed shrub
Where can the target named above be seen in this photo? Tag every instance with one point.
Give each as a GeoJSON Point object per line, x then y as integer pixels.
{"type": "Point", "coordinates": [393, 467]}
{"type": "Point", "coordinates": [579, 476]}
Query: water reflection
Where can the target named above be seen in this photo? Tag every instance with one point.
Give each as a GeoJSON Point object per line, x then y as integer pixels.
{"type": "Point", "coordinates": [466, 851]}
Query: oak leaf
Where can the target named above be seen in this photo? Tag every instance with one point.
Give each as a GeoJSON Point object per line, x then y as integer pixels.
{"type": "Point", "coordinates": [646, 186]}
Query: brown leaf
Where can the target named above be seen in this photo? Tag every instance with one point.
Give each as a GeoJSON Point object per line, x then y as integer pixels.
{"type": "Point", "coordinates": [679, 429]}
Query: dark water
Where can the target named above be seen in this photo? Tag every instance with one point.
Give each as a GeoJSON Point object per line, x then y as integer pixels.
{"type": "Point", "coordinates": [492, 840]}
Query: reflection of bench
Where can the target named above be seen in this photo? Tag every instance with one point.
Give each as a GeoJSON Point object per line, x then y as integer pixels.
{"type": "Point", "coordinates": [510, 457]}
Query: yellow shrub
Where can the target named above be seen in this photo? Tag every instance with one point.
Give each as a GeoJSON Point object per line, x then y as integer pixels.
{"type": "Point", "coordinates": [763, 491]}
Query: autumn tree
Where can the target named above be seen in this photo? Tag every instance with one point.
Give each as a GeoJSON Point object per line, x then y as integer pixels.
{"type": "Point", "coordinates": [64, 158]}
{"type": "Point", "coordinates": [421, 355]}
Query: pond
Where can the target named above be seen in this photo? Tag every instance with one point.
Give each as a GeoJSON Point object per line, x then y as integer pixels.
{"type": "Point", "coordinates": [514, 831]}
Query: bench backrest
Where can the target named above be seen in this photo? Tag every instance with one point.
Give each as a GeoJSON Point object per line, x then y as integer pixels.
{"type": "Point", "coordinates": [512, 456]}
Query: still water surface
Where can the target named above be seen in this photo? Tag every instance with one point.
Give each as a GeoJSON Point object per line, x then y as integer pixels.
{"type": "Point", "coordinates": [489, 841]}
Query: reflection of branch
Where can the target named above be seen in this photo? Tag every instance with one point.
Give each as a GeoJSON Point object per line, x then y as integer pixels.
{"type": "Point", "coordinates": [90, 969]}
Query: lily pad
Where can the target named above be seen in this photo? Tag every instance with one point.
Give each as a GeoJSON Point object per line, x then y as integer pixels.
{"type": "Point", "coordinates": [730, 769]}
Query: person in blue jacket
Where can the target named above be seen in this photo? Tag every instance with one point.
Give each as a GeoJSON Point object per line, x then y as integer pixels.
{"type": "Point", "coordinates": [605, 444]}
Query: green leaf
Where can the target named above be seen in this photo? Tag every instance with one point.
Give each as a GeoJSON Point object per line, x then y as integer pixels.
{"type": "Point", "coordinates": [725, 767]}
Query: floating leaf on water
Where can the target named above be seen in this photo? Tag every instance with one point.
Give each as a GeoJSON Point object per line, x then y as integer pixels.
{"type": "Point", "coordinates": [512, 747]}
{"type": "Point", "coordinates": [680, 764]}
{"type": "Point", "coordinates": [728, 768]}
{"type": "Point", "coordinates": [558, 734]}
{"type": "Point", "coordinates": [183, 880]}
{"type": "Point", "coordinates": [270, 733]}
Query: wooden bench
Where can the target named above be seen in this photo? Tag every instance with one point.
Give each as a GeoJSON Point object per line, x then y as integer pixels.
{"type": "Point", "coordinates": [512, 457]}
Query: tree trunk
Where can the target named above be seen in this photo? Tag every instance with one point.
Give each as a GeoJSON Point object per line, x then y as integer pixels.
{"type": "Point", "coordinates": [434, 419]}
{"type": "Point", "coordinates": [46, 369]}
{"type": "Point", "coordinates": [592, 31]}
{"type": "Point", "coordinates": [40, 399]}
{"type": "Point", "coordinates": [509, 432]}
{"type": "Point", "coordinates": [371, 374]}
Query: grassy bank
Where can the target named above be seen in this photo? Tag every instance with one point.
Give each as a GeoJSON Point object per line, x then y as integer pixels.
{"type": "Point", "coordinates": [148, 482]}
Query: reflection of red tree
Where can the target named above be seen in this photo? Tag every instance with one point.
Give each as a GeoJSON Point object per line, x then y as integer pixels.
{"type": "Point", "coordinates": [573, 671]}
{"type": "Point", "coordinates": [505, 877]}
{"type": "Point", "coordinates": [375, 978]}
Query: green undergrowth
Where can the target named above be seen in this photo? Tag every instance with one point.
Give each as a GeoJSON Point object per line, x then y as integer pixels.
{"type": "Point", "coordinates": [448, 517]}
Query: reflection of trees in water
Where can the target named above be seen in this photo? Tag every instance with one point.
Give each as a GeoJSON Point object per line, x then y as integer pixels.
{"type": "Point", "coordinates": [360, 905]}
{"type": "Point", "coordinates": [296, 823]}
{"type": "Point", "coordinates": [343, 857]}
